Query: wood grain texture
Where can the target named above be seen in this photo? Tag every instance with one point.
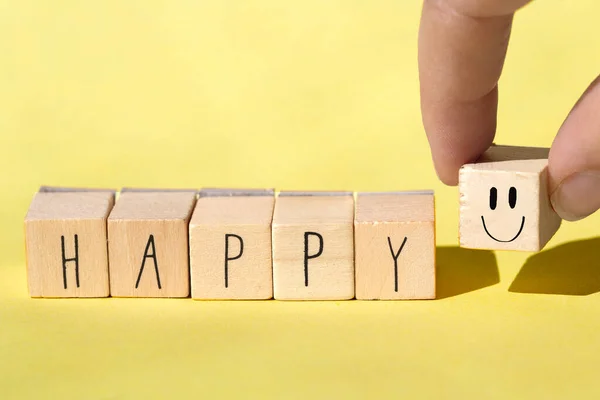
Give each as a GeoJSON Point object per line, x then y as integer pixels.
{"type": "Point", "coordinates": [504, 202]}
{"type": "Point", "coordinates": [148, 244]}
{"type": "Point", "coordinates": [313, 248]}
{"type": "Point", "coordinates": [395, 246]}
{"type": "Point", "coordinates": [230, 247]}
{"type": "Point", "coordinates": [65, 240]}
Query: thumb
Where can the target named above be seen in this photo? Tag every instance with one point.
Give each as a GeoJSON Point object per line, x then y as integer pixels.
{"type": "Point", "coordinates": [574, 159]}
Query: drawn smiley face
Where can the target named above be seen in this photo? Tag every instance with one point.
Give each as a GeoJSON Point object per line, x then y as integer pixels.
{"type": "Point", "coordinates": [504, 204]}
{"type": "Point", "coordinates": [499, 210]}
{"type": "Point", "coordinates": [512, 203]}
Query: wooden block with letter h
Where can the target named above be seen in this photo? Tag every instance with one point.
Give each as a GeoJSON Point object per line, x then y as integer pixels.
{"type": "Point", "coordinates": [395, 246]}
{"type": "Point", "coordinates": [313, 246]}
{"type": "Point", "coordinates": [504, 200]}
{"type": "Point", "coordinates": [230, 245]}
{"type": "Point", "coordinates": [65, 232]}
{"type": "Point", "coordinates": [148, 243]}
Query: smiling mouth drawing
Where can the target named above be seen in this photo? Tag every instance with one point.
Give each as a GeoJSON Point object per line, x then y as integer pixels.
{"type": "Point", "coordinates": [503, 241]}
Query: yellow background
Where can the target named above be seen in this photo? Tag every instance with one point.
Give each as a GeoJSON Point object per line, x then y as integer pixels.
{"type": "Point", "coordinates": [293, 95]}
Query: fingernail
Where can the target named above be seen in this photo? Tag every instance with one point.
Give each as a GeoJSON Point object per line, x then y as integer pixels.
{"type": "Point", "coordinates": [577, 196]}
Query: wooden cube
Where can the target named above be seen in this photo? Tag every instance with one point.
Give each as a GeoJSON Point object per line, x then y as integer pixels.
{"type": "Point", "coordinates": [395, 246]}
{"type": "Point", "coordinates": [313, 246]}
{"type": "Point", "coordinates": [65, 232]}
{"type": "Point", "coordinates": [504, 201]}
{"type": "Point", "coordinates": [230, 245]}
{"type": "Point", "coordinates": [148, 243]}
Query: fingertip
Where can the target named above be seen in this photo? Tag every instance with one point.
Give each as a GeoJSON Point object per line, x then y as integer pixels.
{"type": "Point", "coordinates": [446, 174]}
{"type": "Point", "coordinates": [574, 160]}
{"type": "Point", "coordinates": [578, 196]}
{"type": "Point", "coordinates": [459, 133]}
{"type": "Point", "coordinates": [449, 157]}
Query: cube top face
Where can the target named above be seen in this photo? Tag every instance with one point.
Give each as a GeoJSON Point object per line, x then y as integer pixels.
{"type": "Point", "coordinates": [313, 193]}
{"type": "Point", "coordinates": [154, 190]}
{"type": "Point", "coordinates": [70, 205]}
{"type": "Point", "coordinates": [519, 167]}
{"type": "Point", "coordinates": [153, 206]}
{"type": "Point", "coordinates": [395, 207]}
{"type": "Point", "coordinates": [512, 153]}
{"type": "Point", "coordinates": [238, 210]}
{"type": "Point", "coordinates": [219, 192]}
{"type": "Point", "coordinates": [500, 204]}
{"type": "Point", "coordinates": [60, 189]}
{"type": "Point", "coordinates": [306, 210]}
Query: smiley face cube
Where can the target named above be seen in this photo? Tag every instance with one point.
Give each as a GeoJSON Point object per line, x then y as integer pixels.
{"type": "Point", "coordinates": [504, 201]}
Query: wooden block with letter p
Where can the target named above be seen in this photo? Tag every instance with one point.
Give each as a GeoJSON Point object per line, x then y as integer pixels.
{"type": "Point", "coordinates": [313, 246]}
{"type": "Point", "coordinates": [504, 200]}
{"type": "Point", "coordinates": [148, 243]}
{"type": "Point", "coordinates": [230, 245]}
{"type": "Point", "coordinates": [65, 232]}
{"type": "Point", "coordinates": [395, 246]}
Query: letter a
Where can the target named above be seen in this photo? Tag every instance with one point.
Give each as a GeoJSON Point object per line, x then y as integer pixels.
{"type": "Point", "coordinates": [153, 257]}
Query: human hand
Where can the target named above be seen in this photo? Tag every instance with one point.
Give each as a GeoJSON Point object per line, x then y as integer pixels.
{"type": "Point", "coordinates": [462, 47]}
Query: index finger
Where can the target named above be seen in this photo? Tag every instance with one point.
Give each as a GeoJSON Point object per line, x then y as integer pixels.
{"type": "Point", "coordinates": [462, 47]}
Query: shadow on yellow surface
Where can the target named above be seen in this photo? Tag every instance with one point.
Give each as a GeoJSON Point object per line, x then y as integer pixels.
{"type": "Point", "coordinates": [462, 270]}
{"type": "Point", "coordinates": [569, 269]}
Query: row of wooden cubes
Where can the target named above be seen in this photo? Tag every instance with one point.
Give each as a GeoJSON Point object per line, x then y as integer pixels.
{"type": "Point", "coordinates": [231, 244]}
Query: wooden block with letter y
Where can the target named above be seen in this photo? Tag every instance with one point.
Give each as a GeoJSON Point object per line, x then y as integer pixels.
{"type": "Point", "coordinates": [148, 243]}
{"type": "Point", "coordinates": [65, 232]}
{"type": "Point", "coordinates": [313, 246]}
{"type": "Point", "coordinates": [395, 246]}
{"type": "Point", "coordinates": [230, 245]}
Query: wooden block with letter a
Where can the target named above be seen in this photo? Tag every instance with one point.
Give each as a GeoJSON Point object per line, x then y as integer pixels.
{"type": "Point", "coordinates": [148, 243]}
{"type": "Point", "coordinates": [504, 200]}
{"type": "Point", "coordinates": [395, 246]}
{"type": "Point", "coordinates": [230, 245]}
{"type": "Point", "coordinates": [65, 232]}
{"type": "Point", "coordinates": [313, 246]}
